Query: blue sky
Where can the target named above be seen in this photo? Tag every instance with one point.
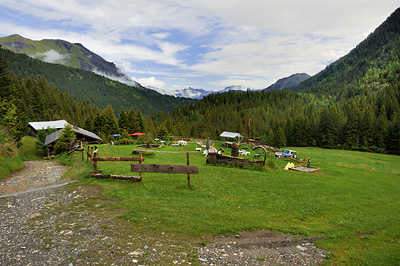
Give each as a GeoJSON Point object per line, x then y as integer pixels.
{"type": "Point", "coordinates": [208, 44]}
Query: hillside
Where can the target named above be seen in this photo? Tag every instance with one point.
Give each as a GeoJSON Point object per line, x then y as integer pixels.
{"type": "Point", "coordinates": [288, 82]}
{"type": "Point", "coordinates": [86, 85]}
{"type": "Point", "coordinates": [353, 104]}
{"type": "Point", "coordinates": [61, 52]}
{"type": "Point", "coordinates": [373, 63]}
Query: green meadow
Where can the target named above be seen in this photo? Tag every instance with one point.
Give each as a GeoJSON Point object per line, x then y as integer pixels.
{"type": "Point", "coordinates": [352, 206]}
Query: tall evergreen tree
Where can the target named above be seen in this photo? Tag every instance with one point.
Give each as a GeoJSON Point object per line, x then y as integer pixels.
{"type": "Point", "coordinates": [279, 138]}
{"type": "Point", "coordinates": [123, 120]}
{"type": "Point", "coordinates": [110, 125]}
{"type": "Point", "coordinates": [329, 127]}
{"type": "Point", "coordinates": [393, 136]}
{"type": "Point", "coordinates": [352, 128]}
{"type": "Point", "coordinates": [5, 78]}
{"type": "Point", "coordinates": [140, 123]}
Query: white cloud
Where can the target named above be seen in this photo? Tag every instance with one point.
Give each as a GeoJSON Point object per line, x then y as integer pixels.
{"type": "Point", "coordinates": [253, 41]}
{"type": "Point", "coordinates": [161, 35]}
{"type": "Point", "coordinates": [52, 57]}
{"type": "Point", "coordinates": [151, 82]}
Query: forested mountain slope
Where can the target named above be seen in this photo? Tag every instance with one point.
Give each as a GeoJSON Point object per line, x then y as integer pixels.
{"type": "Point", "coordinates": [370, 65]}
{"type": "Point", "coordinates": [34, 99]}
{"type": "Point", "coordinates": [288, 82]}
{"type": "Point", "coordinates": [86, 85]}
{"type": "Point", "coordinates": [61, 52]}
{"type": "Point", "coordinates": [353, 104]}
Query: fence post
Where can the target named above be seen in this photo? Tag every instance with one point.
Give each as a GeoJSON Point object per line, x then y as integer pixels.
{"type": "Point", "coordinates": [91, 154]}
{"type": "Point", "coordinates": [188, 175]}
{"type": "Point", "coordinates": [140, 162]}
{"type": "Point", "coordinates": [82, 149]}
{"type": "Point", "coordinates": [96, 154]}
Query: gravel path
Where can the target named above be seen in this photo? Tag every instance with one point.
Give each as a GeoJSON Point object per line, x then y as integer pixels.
{"type": "Point", "coordinates": [74, 225]}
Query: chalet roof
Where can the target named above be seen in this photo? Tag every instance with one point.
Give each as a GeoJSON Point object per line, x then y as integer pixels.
{"type": "Point", "coordinates": [53, 137]}
{"type": "Point", "coordinates": [232, 135]}
{"type": "Point", "coordinates": [58, 124]}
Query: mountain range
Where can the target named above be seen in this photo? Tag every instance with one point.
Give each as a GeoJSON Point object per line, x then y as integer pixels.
{"type": "Point", "coordinates": [75, 55]}
{"type": "Point", "coordinates": [196, 94]}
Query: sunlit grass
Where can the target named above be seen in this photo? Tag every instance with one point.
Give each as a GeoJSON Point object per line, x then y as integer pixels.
{"type": "Point", "coordinates": [353, 205]}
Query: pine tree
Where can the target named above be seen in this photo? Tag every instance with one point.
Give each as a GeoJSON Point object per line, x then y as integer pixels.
{"type": "Point", "coordinates": [6, 91]}
{"type": "Point", "coordinates": [328, 127]}
{"type": "Point", "coordinates": [162, 131]}
{"type": "Point", "coordinates": [140, 124]}
{"type": "Point", "coordinates": [301, 130]}
{"type": "Point", "coordinates": [279, 138]}
{"type": "Point", "coordinates": [367, 126]}
{"type": "Point", "coordinates": [380, 129]}
{"type": "Point", "coordinates": [352, 128]}
{"type": "Point", "coordinates": [110, 123]}
{"type": "Point", "coordinates": [393, 136]}
{"type": "Point", "coordinates": [131, 127]}
{"type": "Point", "coordinates": [123, 120]}
{"type": "Point", "coordinates": [67, 134]}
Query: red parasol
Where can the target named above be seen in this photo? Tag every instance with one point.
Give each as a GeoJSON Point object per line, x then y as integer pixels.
{"type": "Point", "coordinates": [137, 134]}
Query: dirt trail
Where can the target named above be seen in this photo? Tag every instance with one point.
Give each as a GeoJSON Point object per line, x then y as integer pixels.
{"type": "Point", "coordinates": [34, 175]}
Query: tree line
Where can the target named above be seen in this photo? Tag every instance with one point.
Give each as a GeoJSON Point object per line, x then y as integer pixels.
{"type": "Point", "coordinates": [34, 99]}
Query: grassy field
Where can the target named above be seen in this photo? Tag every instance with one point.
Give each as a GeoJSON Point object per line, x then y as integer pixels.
{"type": "Point", "coordinates": [353, 206]}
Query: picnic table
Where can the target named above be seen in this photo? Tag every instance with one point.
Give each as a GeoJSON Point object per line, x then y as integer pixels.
{"type": "Point", "coordinates": [182, 142]}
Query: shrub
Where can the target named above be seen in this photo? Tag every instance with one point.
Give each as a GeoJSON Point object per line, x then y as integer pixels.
{"type": "Point", "coordinates": [8, 145]}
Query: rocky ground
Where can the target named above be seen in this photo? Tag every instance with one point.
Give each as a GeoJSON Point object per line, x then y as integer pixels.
{"type": "Point", "coordinates": [45, 222]}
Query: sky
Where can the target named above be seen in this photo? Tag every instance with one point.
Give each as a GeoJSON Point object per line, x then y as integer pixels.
{"type": "Point", "coordinates": [208, 44]}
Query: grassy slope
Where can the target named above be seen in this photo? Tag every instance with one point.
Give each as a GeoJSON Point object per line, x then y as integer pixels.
{"type": "Point", "coordinates": [353, 206]}
{"type": "Point", "coordinates": [26, 152]}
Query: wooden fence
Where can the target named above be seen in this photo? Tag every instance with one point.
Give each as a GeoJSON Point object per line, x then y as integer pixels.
{"type": "Point", "coordinates": [168, 168]}
{"type": "Point", "coordinates": [147, 168]}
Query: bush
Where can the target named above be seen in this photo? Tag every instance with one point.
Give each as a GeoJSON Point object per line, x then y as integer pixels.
{"type": "Point", "coordinates": [8, 145]}
{"type": "Point", "coordinates": [271, 163]}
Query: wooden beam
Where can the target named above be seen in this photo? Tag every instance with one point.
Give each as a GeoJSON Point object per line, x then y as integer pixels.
{"type": "Point", "coordinates": [168, 151]}
{"type": "Point", "coordinates": [122, 177]}
{"type": "Point", "coordinates": [116, 159]}
{"type": "Point", "coordinates": [165, 168]}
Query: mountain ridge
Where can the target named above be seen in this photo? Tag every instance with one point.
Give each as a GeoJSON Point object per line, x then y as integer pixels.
{"type": "Point", "coordinates": [194, 93]}
{"type": "Point", "coordinates": [62, 52]}
{"type": "Point", "coordinates": [87, 85]}
{"type": "Point", "coordinates": [341, 77]}
{"type": "Point", "coordinates": [288, 82]}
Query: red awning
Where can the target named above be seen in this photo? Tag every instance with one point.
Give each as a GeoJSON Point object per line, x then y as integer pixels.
{"type": "Point", "coordinates": [137, 134]}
